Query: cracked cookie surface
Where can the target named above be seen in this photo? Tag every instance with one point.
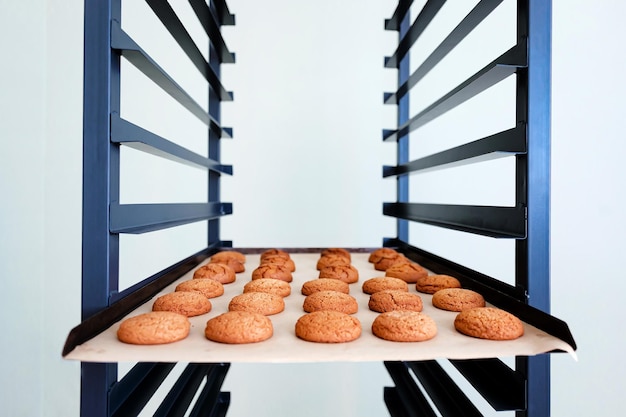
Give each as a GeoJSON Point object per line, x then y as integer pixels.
{"type": "Point", "coordinates": [238, 327]}
{"type": "Point", "coordinates": [404, 326]}
{"type": "Point", "coordinates": [328, 327]}
{"type": "Point", "coordinates": [205, 286]}
{"type": "Point", "coordinates": [345, 273]}
{"type": "Point", "coordinates": [324, 284]}
{"type": "Point", "coordinates": [406, 271]}
{"type": "Point", "coordinates": [430, 284]}
{"type": "Point", "coordinates": [154, 328]}
{"type": "Point", "coordinates": [257, 302]}
{"type": "Point", "coordinates": [269, 285]}
{"type": "Point", "coordinates": [330, 300]}
{"type": "Point", "coordinates": [186, 303]}
{"type": "Point", "coordinates": [389, 300]}
{"type": "Point", "coordinates": [457, 299]}
{"type": "Point", "coordinates": [216, 271]}
{"type": "Point", "coordinates": [273, 271]}
{"type": "Point", "coordinates": [373, 285]}
{"type": "Point", "coordinates": [489, 323]}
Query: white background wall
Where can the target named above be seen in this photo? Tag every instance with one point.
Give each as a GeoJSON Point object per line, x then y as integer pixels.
{"type": "Point", "coordinates": [40, 177]}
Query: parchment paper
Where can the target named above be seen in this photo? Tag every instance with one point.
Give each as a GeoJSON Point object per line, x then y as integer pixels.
{"type": "Point", "coordinates": [285, 347]}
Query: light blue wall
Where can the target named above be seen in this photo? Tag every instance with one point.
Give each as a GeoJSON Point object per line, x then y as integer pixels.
{"type": "Point", "coordinates": [40, 182]}
{"type": "Point", "coordinates": [23, 221]}
{"type": "Point", "coordinates": [588, 226]}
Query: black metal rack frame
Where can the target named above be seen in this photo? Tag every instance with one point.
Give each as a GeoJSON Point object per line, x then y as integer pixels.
{"type": "Point", "coordinates": [524, 389]}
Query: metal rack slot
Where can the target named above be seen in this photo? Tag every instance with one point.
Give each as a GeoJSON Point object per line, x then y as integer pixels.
{"type": "Point", "coordinates": [168, 17]}
{"type": "Point", "coordinates": [141, 218]}
{"type": "Point", "coordinates": [407, 396]}
{"type": "Point", "coordinates": [209, 22]}
{"type": "Point", "coordinates": [527, 221]}
{"type": "Point", "coordinates": [445, 394]}
{"type": "Point", "coordinates": [131, 394]}
{"type": "Point", "coordinates": [464, 28]}
{"type": "Point", "coordinates": [207, 407]}
{"type": "Point", "coordinates": [133, 136]}
{"type": "Point", "coordinates": [398, 15]}
{"type": "Point", "coordinates": [211, 401]}
{"type": "Point", "coordinates": [488, 221]}
{"type": "Point", "coordinates": [502, 387]}
{"type": "Point", "coordinates": [499, 145]}
{"type": "Point", "coordinates": [220, 9]}
{"type": "Point", "coordinates": [178, 399]}
{"type": "Point", "coordinates": [494, 72]}
{"type": "Point", "coordinates": [105, 132]}
{"type": "Point", "coordinates": [430, 9]}
{"type": "Point", "coordinates": [141, 60]}
{"type": "Point", "coordinates": [393, 402]}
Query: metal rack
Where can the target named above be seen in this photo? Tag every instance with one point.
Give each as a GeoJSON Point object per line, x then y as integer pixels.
{"type": "Point", "coordinates": [419, 386]}
{"type": "Point", "coordinates": [105, 132]}
{"type": "Point", "coordinates": [527, 221]}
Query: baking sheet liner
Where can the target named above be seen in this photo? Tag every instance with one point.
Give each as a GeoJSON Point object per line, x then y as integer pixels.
{"type": "Point", "coordinates": [285, 347]}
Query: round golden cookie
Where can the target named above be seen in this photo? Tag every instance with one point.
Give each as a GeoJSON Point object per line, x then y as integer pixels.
{"type": "Point", "coordinates": [404, 326]}
{"type": "Point", "coordinates": [324, 284]}
{"type": "Point", "coordinates": [328, 327]}
{"type": "Point", "coordinates": [154, 328]}
{"type": "Point", "coordinates": [257, 302]}
{"type": "Point", "coordinates": [229, 254]}
{"type": "Point", "coordinates": [279, 260]}
{"type": "Point", "coordinates": [205, 286]}
{"type": "Point", "coordinates": [430, 284]}
{"type": "Point", "coordinates": [378, 254]}
{"type": "Point", "coordinates": [330, 300]}
{"type": "Point", "coordinates": [186, 303]}
{"type": "Point", "coordinates": [337, 251]}
{"type": "Point", "coordinates": [389, 260]}
{"type": "Point", "coordinates": [269, 285]}
{"type": "Point", "coordinates": [330, 260]}
{"type": "Point", "coordinates": [457, 299]}
{"type": "Point", "coordinates": [237, 327]}
{"type": "Point", "coordinates": [275, 252]}
{"type": "Point", "coordinates": [217, 272]}
{"type": "Point", "coordinates": [345, 273]}
{"type": "Point", "coordinates": [373, 285]}
{"type": "Point", "coordinates": [489, 323]}
{"type": "Point", "coordinates": [230, 262]}
{"type": "Point", "coordinates": [272, 271]}
{"type": "Point", "coordinates": [390, 300]}
{"type": "Point", "coordinates": [409, 272]}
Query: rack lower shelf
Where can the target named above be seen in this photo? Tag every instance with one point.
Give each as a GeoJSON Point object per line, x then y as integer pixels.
{"type": "Point", "coordinates": [285, 347]}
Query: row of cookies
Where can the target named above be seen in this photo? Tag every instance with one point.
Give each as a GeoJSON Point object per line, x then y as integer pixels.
{"type": "Point", "coordinates": [388, 295]}
{"type": "Point", "coordinates": [247, 318]}
{"type": "Point", "coordinates": [335, 309]}
{"type": "Point", "coordinates": [473, 318]}
{"type": "Point", "coordinates": [168, 321]}
{"type": "Point", "coordinates": [400, 317]}
{"type": "Point", "coordinates": [247, 321]}
{"type": "Point", "coordinates": [269, 285]}
{"type": "Point", "coordinates": [243, 325]}
{"type": "Point", "coordinates": [328, 304]}
{"type": "Point", "coordinates": [327, 301]}
{"type": "Point", "coordinates": [192, 297]}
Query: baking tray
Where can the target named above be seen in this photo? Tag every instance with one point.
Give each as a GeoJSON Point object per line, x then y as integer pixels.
{"type": "Point", "coordinates": [285, 347]}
